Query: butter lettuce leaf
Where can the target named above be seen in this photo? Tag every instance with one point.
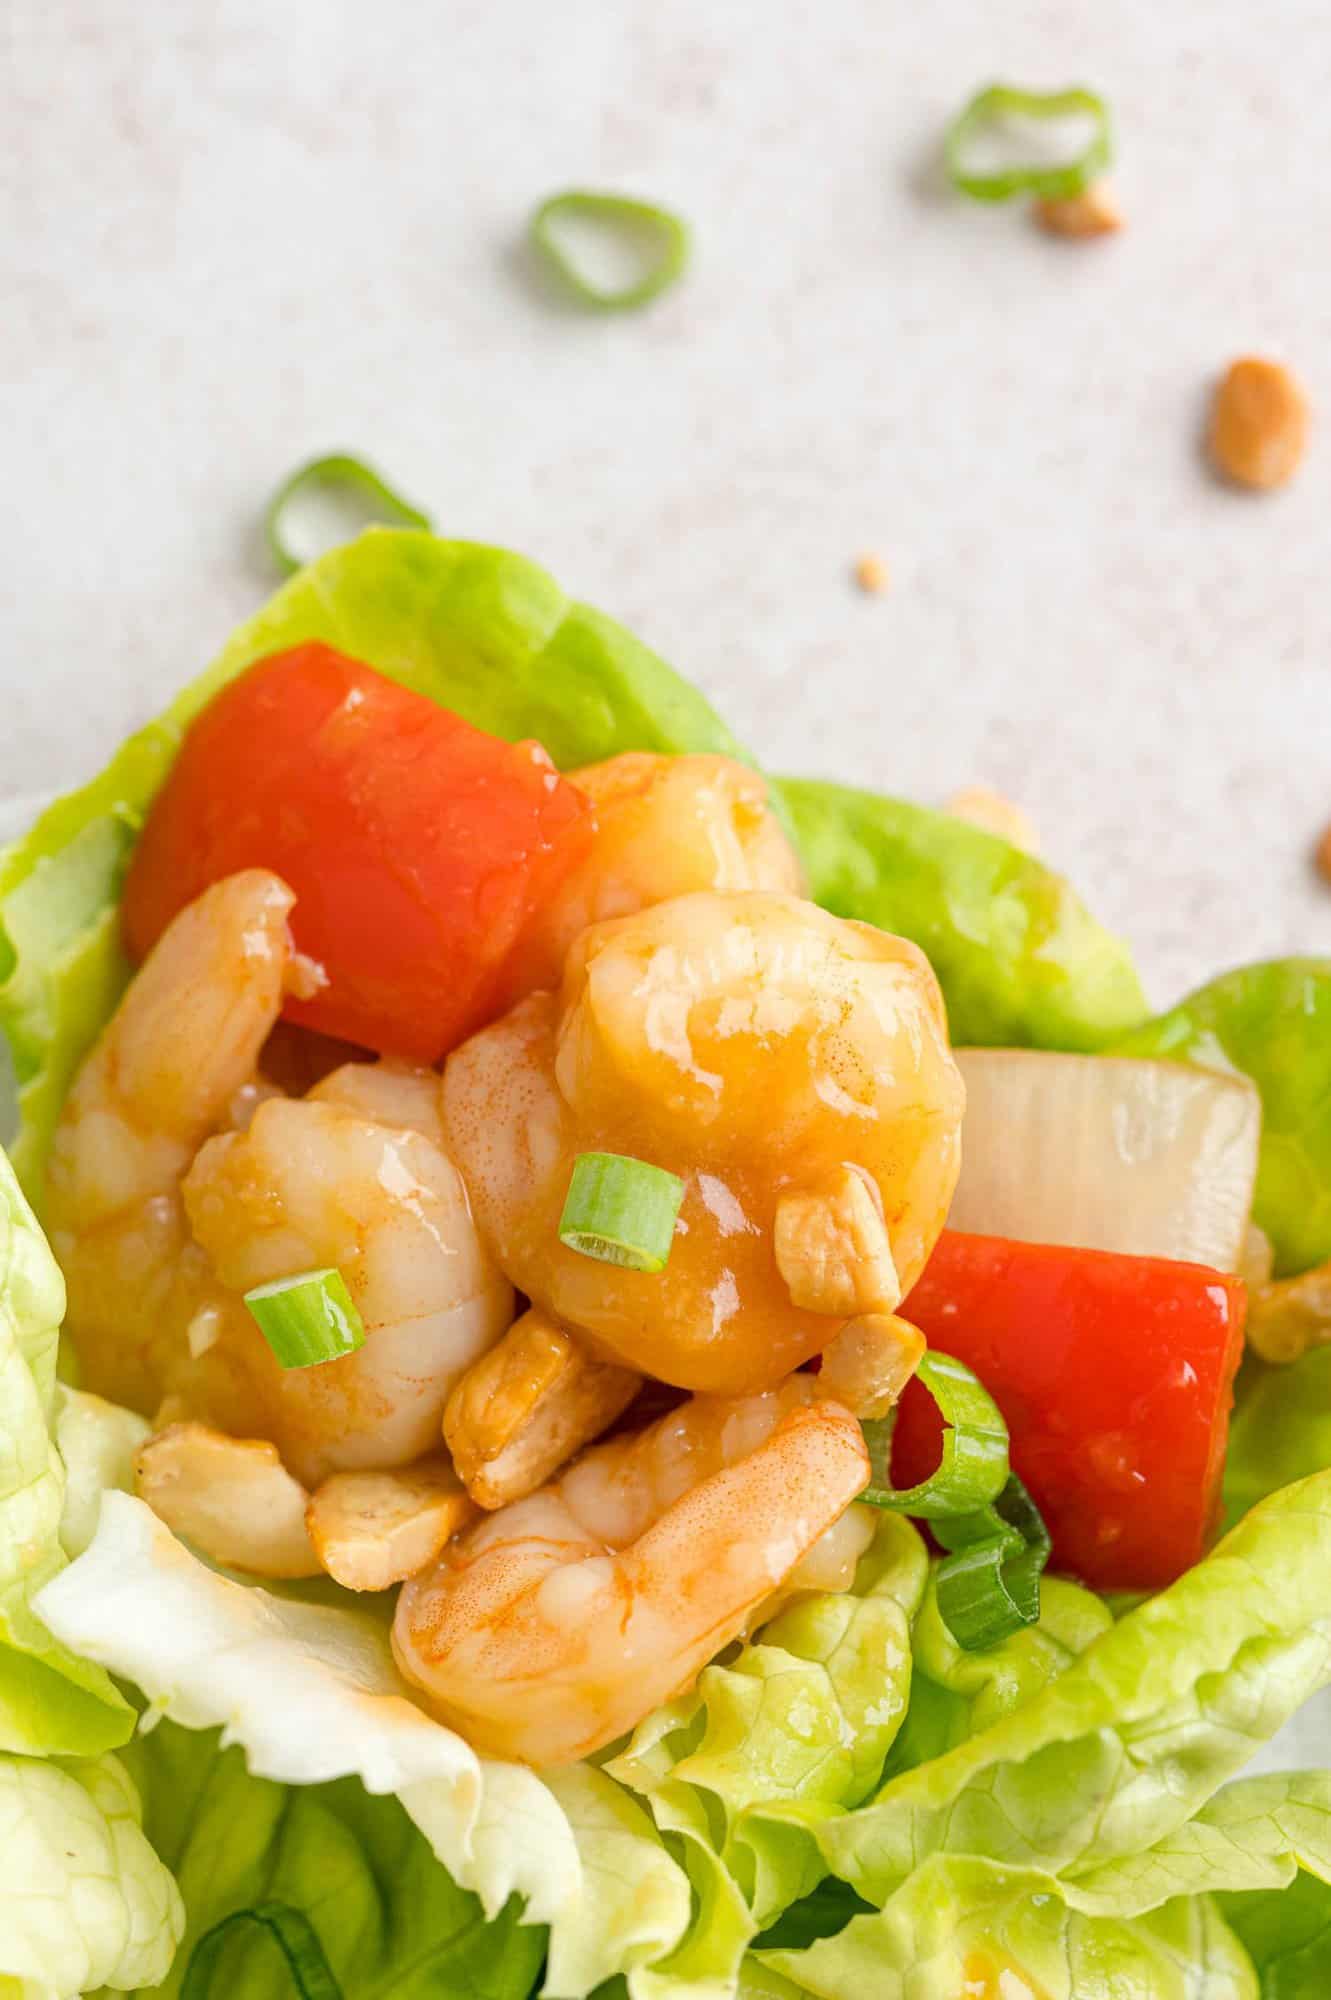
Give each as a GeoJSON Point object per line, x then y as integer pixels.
{"type": "Point", "coordinates": [478, 629]}
{"type": "Point", "coordinates": [638, 1896]}
{"type": "Point", "coordinates": [1255, 1834]}
{"type": "Point", "coordinates": [960, 1925]}
{"type": "Point", "coordinates": [311, 1692]}
{"type": "Point", "coordinates": [84, 1900]}
{"type": "Point", "coordinates": [1020, 959]}
{"type": "Point", "coordinates": [97, 1441]}
{"type": "Point", "coordinates": [1287, 1935]}
{"type": "Point", "coordinates": [1133, 1738]}
{"type": "Point", "coordinates": [1271, 1022]}
{"type": "Point", "coordinates": [387, 1917]}
{"type": "Point", "coordinates": [51, 1702]}
{"type": "Point", "coordinates": [492, 635]}
{"type": "Point", "coordinates": [1280, 1430]}
{"type": "Point", "coordinates": [802, 1717]}
{"type": "Point", "coordinates": [955, 1693]}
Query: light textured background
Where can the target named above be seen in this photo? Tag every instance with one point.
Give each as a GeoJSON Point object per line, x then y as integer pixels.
{"type": "Point", "coordinates": [233, 234]}
{"type": "Point", "coordinates": [238, 233]}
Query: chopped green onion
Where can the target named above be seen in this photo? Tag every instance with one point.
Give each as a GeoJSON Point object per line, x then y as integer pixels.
{"type": "Point", "coordinates": [340, 476]}
{"type": "Point", "coordinates": [307, 1319]}
{"type": "Point", "coordinates": [661, 237]}
{"type": "Point", "coordinates": [621, 1211]}
{"type": "Point", "coordinates": [989, 1585]}
{"type": "Point", "coordinates": [974, 1467]}
{"type": "Point", "coordinates": [295, 1937]}
{"type": "Point", "coordinates": [990, 109]}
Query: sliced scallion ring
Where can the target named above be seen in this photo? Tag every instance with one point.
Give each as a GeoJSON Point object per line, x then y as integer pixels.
{"type": "Point", "coordinates": [974, 1467]}
{"type": "Point", "coordinates": [659, 235]}
{"type": "Point", "coordinates": [307, 1319]}
{"type": "Point", "coordinates": [990, 109]}
{"type": "Point", "coordinates": [344, 478]}
{"type": "Point", "coordinates": [295, 1937]}
{"type": "Point", "coordinates": [621, 1211]}
{"type": "Point", "coordinates": [988, 1586]}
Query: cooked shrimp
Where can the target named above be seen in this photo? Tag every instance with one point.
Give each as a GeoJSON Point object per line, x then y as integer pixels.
{"type": "Point", "coordinates": [312, 1183]}
{"type": "Point", "coordinates": [780, 1061]}
{"type": "Point", "coordinates": [553, 1626]}
{"type": "Point", "coordinates": [160, 1227]}
{"type": "Point", "coordinates": [184, 1040]}
{"type": "Point", "coordinates": [665, 826]}
{"type": "Point", "coordinates": [387, 1093]}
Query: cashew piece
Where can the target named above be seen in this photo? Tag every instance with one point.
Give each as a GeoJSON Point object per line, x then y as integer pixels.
{"type": "Point", "coordinates": [870, 1362]}
{"type": "Point", "coordinates": [833, 1250]}
{"type": "Point", "coordinates": [374, 1529]}
{"type": "Point", "coordinates": [1290, 1315]}
{"type": "Point", "coordinates": [231, 1497]}
{"type": "Point", "coordinates": [525, 1407]}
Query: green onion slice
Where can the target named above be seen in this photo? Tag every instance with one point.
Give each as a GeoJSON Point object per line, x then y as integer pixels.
{"type": "Point", "coordinates": [985, 118]}
{"type": "Point", "coordinates": [295, 1937]}
{"type": "Point", "coordinates": [621, 1211]}
{"type": "Point", "coordinates": [974, 1467]}
{"type": "Point", "coordinates": [307, 1319]}
{"type": "Point", "coordinates": [356, 488]}
{"type": "Point", "coordinates": [659, 238]}
{"type": "Point", "coordinates": [989, 1586]}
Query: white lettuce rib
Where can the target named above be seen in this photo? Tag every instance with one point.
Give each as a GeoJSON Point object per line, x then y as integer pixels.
{"type": "Point", "coordinates": [310, 1693]}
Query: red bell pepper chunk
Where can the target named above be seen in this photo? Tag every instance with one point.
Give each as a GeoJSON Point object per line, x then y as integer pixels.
{"type": "Point", "coordinates": [417, 845]}
{"type": "Point", "coordinates": [1115, 1375]}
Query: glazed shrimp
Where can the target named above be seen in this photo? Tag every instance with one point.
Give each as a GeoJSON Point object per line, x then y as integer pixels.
{"type": "Point", "coordinates": [310, 1183]}
{"type": "Point", "coordinates": [665, 826]}
{"type": "Point", "coordinates": [161, 1227]}
{"type": "Point", "coordinates": [184, 1040]}
{"type": "Point", "coordinates": [555, 1625]}
{"type": "Point", "coordinates": [791, 1068]}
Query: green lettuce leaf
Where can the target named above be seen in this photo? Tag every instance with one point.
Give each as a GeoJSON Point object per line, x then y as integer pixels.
{"type": "Point", "coordinates": [801, 1717]}
{"type": "Point", "coordinates": [705, 1963]}
{"type": "Point", "coordinates": [387, 1916]}
{"type": "Point", "coordinates": [84, 1901]}
{"type": "Point", "coordinates": [1287, 1935]}
{"type": "Point", "coordinates": [311, 1692]}
{"type": "Point", "coordinates": [958, 1925]}
{"type": "Point", "coordinates": [97, 1441]}
{"type": "Point", "coordinates": [1280, 1430]}
{"type": "Point", "coordinates": [1255, 1834]}
{"type": "Point", "coordinates": [479, 630]}
{"type": "Point", "coordinates": [51, 1702]}
{"type": "Point", "coordinates": [637, 1892]}
{"type": "Point", "coordinates": [1137, 1733]}
{"type": "Point", "coordinates": [955, 1693]}
{"type": "Point", "coordinates": [1020, 960]}
{"type": "Point", "coordinates": [1271, 1022]}
{"type": "Point", "coordinates": [491, 635]}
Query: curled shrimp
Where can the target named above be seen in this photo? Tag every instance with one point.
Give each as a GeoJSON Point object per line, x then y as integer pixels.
{"type": "Point", "coordinates": [312, 1182]}
{"type": "Point", "coordinates": [183, 1042]}
{"type": "Point", "coordinates": [555, 1625]}
{"type": "Point", "coordinates": [162, 1219]}
{"type": "Point", "coordinates": [665, 826]}
{"type": "Point", "coordinates": [793, 1070]}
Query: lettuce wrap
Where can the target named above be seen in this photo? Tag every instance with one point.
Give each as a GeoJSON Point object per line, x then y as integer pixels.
{"type": "Point", "coordinates": [848, 1802]}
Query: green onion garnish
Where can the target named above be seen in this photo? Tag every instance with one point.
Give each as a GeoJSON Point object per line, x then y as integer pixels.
{"type": "Point", "coordinates": [294, 1936]}
{"type": "Point", "coordinates": [307, 1319]}
{"type": "Point", "coordinates": [621, 1210]}
{"type": "Point", "coordinates": [991, 109]}
{"type": "Point", "coordinates": [989, 1586]}
{"type": "Point", "coordinates": [974, 1467]}
{"type": "Point", "coordinates": [659, 238]}
{"type": "Point", "coordinates": [350, 482]}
